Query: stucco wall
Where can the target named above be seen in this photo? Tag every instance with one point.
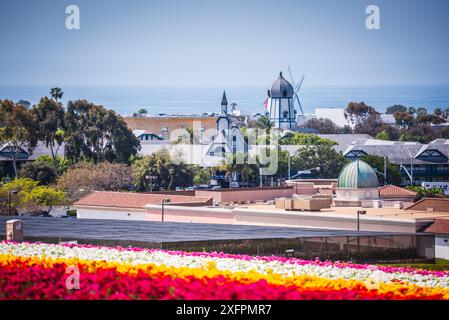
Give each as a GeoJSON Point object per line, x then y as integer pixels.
{"type": "Point", "coordinates": [442, 247]}
{"type": "Point", "coordinates": [190, 214]}
{"type": "Point", "coordinates": [347, 194]}
{"type": "Point", "coordinates": [110, 213]}
{"type": "Point", "coordinates": [250, 194]}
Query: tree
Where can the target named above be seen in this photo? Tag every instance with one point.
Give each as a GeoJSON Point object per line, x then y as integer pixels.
{"type": "Point", "coordinates": [371, 125]}
{"type": "Point", "coordinates": [248, 170]}
{"type": "Point", "coordinates": [323, 156]}
{"type": "Point", "coordinates": [18, 128]}
{"type": "Point", "coordinates": [42, 172]}
{"type": "Point", "coordinates": [96, 134]}
{"type": "Point", "coordinates": [264, 123]}
{"type": "Point", "coordinates": [383, 135]}
{"type": "Point", "coordinates": [202, 176]}
{"type": "Point", "coordinates": [56, 93]}
{"type": "Point", "coordinates": [143, 111]}
{"type": "Point", "coordinates": [358, 112]}
{"type": "Point", "coordinates": [396, 108]}
{"type": "Point", "coordinates": [188, 137]}
{"type": "Point", "coordinates": [404, 120]}
{"type": "Point", "coordinates": [426, 193]}
{"type": "Point", "coordinates": [26, 196]}
{"type": "Point", "coordinates": [50, 117]}
{"type": "Point", "coordinates": [445, 133]}
{"type": "Point", "coordinates": [429, 119]}
{"type": "Point", "coordinates": [323, 126]}
{"type": "Point", "coordinates": [421, 111]}
{"type": "Point", "coordinates": [83, 178]}
{"type": "Point", "coordinates": [62, 164]}
{"type": "Point", "coordinates": [421, 133]}
{"type": "Point", "coordinates": [24, 103]}
{"type": "Point", "coordinates": [170, 172]}
{"type": "Point", "coordinates": [378, 163]}
{"type": "Point", "coordinates": [295, 138]}
{"type": "Point", "coordinates": [43, 199]}
{"type": "Point", "coordinates": [411, 110]}
{"type": "Point", "coordinates": [438, 112]}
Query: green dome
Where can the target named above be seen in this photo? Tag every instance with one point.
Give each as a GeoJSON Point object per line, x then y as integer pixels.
{"type": "Point", "coordinates": [357, 174]}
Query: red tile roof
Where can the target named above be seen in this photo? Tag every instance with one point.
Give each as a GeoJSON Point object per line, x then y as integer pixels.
{"type": "Point", "coordinates": [436, 204]}
{"type": "Point", "coordinates": [391, 191]}
{"type": "Point", "coordinates": [439, 226]}
{"type": "Point", "coordinates": [134, 200]}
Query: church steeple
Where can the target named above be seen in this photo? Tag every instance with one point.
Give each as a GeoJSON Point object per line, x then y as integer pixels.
{"type": "Point", "coordinates": [224, 103]}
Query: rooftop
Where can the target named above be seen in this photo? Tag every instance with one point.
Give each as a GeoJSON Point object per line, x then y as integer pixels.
{"type": "Point", "coordinates": [146, 231]}
{"type": "Point", "coordinates": [357, 174]}
{"type": "Point", "coordinates": [134, 200]}
{"type": "Point", "coordinates": [391, 191]}
{"type": "Point", "coordinates": [436, 204]}
{"type": "Point", "coordinates": [383, 213]}
{"type": "Point", "coordinates": [440, 226]}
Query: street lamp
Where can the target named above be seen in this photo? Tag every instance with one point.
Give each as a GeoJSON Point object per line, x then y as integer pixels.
{"type": "Point", "coordinates": [10, 192]}
{"type": "Point", "coordinates": [164, 201]}
{"type": "Point", "coordinates": [151, 178]}
{"type": "Point", "coordinates": [305, 171]}
{"type": "Point", "coordinates": [359, 212]}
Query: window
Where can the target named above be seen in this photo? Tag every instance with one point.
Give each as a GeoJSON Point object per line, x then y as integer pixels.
{"type": "Point", "coordinates": [284, 93]}
{"type": "Point", "coordinates": [285, 114]}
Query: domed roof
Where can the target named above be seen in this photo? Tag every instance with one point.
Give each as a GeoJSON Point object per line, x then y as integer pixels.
{"type": "Point", "coordinates": [281, 88]}
{"type": "Point", "coordinates": [357, 174]}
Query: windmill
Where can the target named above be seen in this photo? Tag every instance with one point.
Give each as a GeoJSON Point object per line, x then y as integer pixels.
{"type": "Point", "coordinates": [297, 87]}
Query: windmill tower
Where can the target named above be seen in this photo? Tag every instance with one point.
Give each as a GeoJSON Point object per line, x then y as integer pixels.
{"type": "Point", "coordinates": [280, 104]}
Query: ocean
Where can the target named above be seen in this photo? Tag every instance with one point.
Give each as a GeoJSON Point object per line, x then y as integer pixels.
{"type": "Point", "coordinates": [249, 99]}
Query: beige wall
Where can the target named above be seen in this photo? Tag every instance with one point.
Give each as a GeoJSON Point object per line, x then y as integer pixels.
{"type": "Point", "coordinates": [190, 214]}
{"type": "Point", "coordinates": [243, 195]}
{"type": "Point", "coordinates": [248, 216]}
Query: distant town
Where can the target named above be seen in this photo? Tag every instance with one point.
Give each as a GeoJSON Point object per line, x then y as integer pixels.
{"type": "Point", "coordinates": [173, 154]}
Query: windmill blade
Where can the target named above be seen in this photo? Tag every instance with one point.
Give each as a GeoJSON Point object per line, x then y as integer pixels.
{"type": "Point", "coordinates": [299, 104]}
{"type": "Point", "coordinates": [291, 76]}
{"type": "Point", "coordinates": [299, 84]}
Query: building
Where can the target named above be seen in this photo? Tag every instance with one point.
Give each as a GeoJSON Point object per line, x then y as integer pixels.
{"type": "Point", "coordinates": [417, 162]}
{"type": "Point", "coordinates": [344, 140]}
{"type": "Point", "coordinates": [395, 193]}
{"type": "Point", "coordinates": [129, 206]}
{"type": "Point", "coordinates": [280, 104]}
{"type": "Point", "coordinates": [23, 156]}
{"type": "Point", "coordinates": [163, 126]}
{"type": "Point", "coordinates": [440, 228]}
{"type": "Point", "coordinates": [357, 183]}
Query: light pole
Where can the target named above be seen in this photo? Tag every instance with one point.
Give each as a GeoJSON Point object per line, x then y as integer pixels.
{"type": "Point", "coordinates": [10, 192]}
{"type": "Point", "coordinates": [164, 201]}
{"type": "Point", "coordinates": [359, 212]}
{"type": "Point", "coordinates": [305, 171]}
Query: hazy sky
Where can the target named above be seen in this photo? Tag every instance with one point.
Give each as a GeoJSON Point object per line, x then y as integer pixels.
{"type": "Point", "coordinates": [192, 42]}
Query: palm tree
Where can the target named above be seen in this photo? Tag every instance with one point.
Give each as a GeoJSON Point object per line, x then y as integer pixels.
{"type": "Point", "coordinates": [56, 93]}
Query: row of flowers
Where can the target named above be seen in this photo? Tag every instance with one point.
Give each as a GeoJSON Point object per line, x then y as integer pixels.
{"type": "Point", "coordinates": [38, 271]}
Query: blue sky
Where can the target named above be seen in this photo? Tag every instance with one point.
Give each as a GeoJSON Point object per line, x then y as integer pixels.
{"type": "Point", "coordinates": [193, 42]}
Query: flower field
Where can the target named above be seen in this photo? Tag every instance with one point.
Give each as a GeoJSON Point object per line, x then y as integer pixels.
{"type": "Point", "coordinates": [41, 271]}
